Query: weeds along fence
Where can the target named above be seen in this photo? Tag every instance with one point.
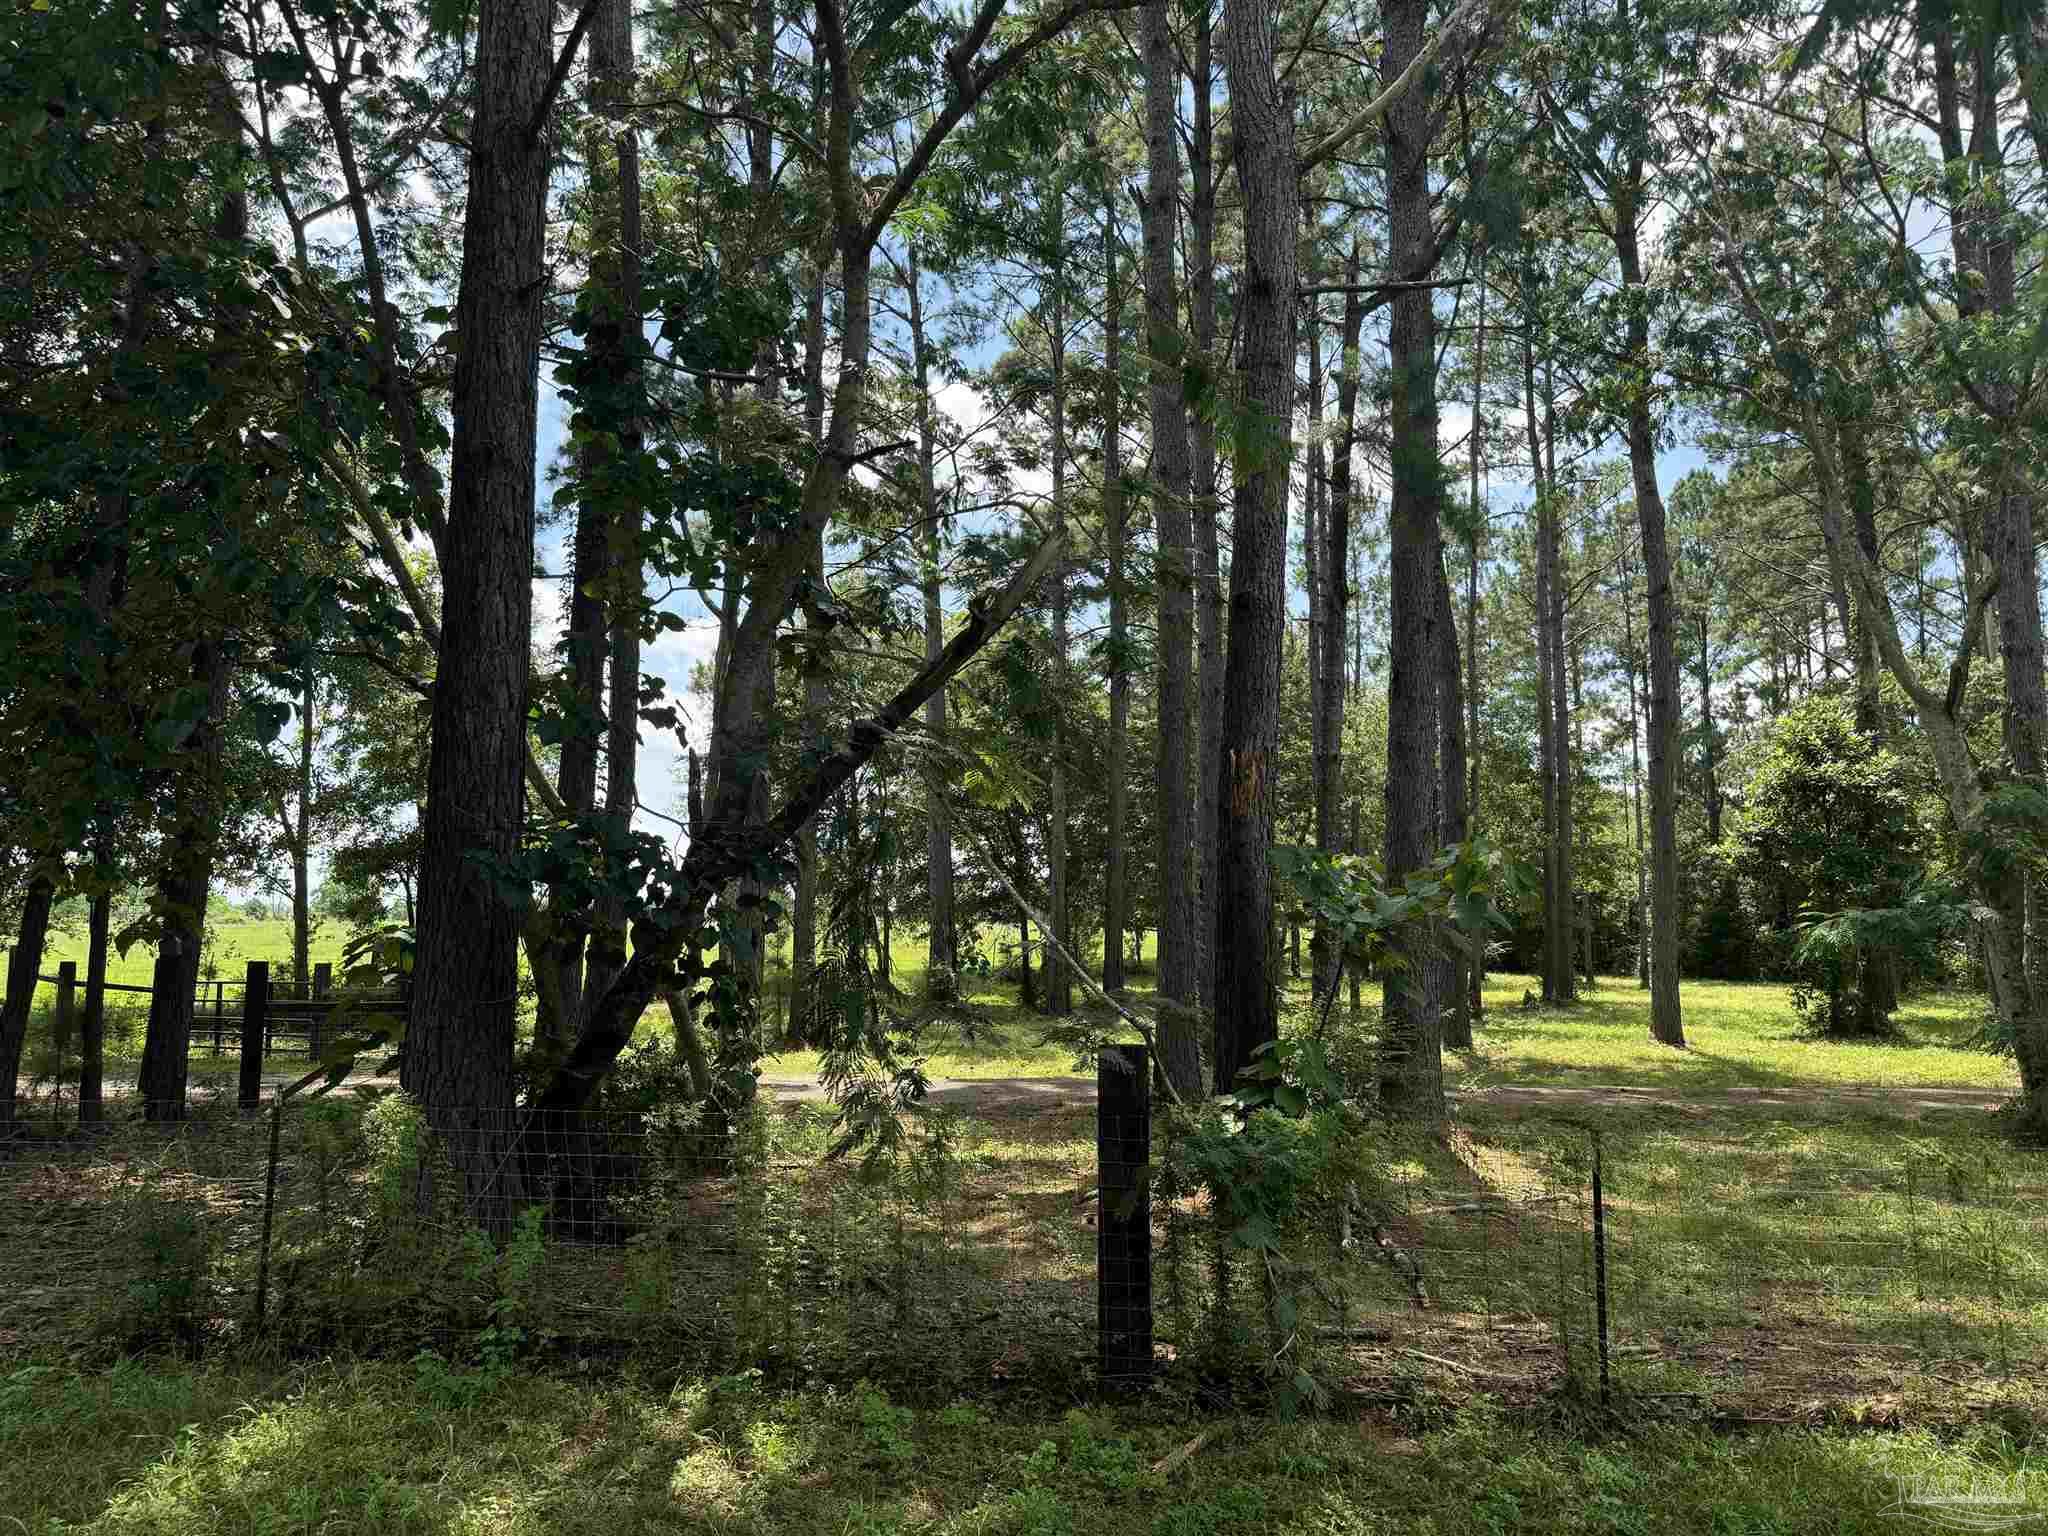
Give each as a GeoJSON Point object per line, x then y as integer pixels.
{"type": "Point", "coordinates": [1764, 1273]}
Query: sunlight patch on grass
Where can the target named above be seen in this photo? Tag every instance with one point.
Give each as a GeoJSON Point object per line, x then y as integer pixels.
{"type": "Point", "coordinates": [344, 1449]}
{"type": "Point", "coordinates": [1738, 1035]}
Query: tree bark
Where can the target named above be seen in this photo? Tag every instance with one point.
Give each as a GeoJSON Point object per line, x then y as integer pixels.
{"type": "Point", "coordinates": [1059, 981]}
{"type": "Point", "coordinates": [1410, 1066]}
{"type": "Point", "coordinates": [182, 891]}
{"type": "Point", "coordinates": [1475, 960]}
{"type": "Point", "coordinates": [1546, 665]}
{"type": "Point", "coordinates": [1207, 509]}
{"type": "Point", "coordinates": [24, 963]}
{"type": "Point", "coordinates": [1582, 907]}
{"type": "Point", "coordinates": [1247, 991]}
{"type": "Point", "coordinates": [1116, 892]}
{"type": "Point", "coordinates": [1315, 513]}
{"type": "Point", "coordinates": [1666, 1022]}
{"type": "Point", "coordinates": [1456, 814]}
{"type": "Point", "coordinates": [1862, 492]}
{"type": "Point", "coordinates": [942, 959]}
{"type": "Point", "coordinates": [1179, 945]}
{"type": "Point", "coordinates": [1336, 575]}
{"type": "Point", "coordinates": [1565, 924]}
{"type": "Point", "coordinates": [803, 939]}
{"type": "Point", "coordinates": [458, 1053]}
{"type": "Point", "coordinates": [302, 847]}
{"type": "Point", "coordinates": [1635, 762]}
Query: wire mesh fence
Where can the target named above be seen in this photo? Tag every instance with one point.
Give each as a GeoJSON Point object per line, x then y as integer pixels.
{"type": "Point", "coordinates": [966, 1256]}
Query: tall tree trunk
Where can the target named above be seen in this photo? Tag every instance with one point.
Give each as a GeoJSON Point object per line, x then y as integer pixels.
{"type": "Point", "coordinates": [1862, 491]}
{"type": "Point", "coordinates": [619, 354]}
{"type": "Point", "coordinates": [1336, 577]}
{"type": "Point", "coordinates": [458, 1053]}
{"type": "Point", "coordinates": [1410, 1064]}
{"type": "Point", "coordinates": [605, 597]}
{"type": "Point", "coordinates": [803, 936]}
{"type": "Point", "coordinates": [1560, 734]}
{"type": "Point", "coordinates": [1666, 1022]}
{"type": "Point", "coordinates": [1179, 945]}
{"type": "Point", "coordinates": [24, 963]}
{"type": "Point", "coordinates": [1635, 772]}
{"type": "Point", "coordinates": [1710, 784]}
{"type": "Point", "coordinates": [1059, 981]}
{"type": "Point", "coordinates": [1456, 815]}
{"type": "Point", "coordinates": [750, 915]}
{"type": "Point", "coordinates": [302, 847]}
{"type": "Point", "coordinates": [182, 891]}
{"type": "Point", "coordinates": [584, 645]}
{"type": "Point", "coordinates": [1583, 906]}
{"type": "Point", "coordinates": [1357, 851]}
{"type": "Point", "coordinates": [942, 960]}
{"type": "Point", "coordinates": [1546, 666]}
{"type": "Point", "coordinates": [1207, 509]}
{"type": "Point", "coordinates": [1247, 991]}
{"type": "Point", "coordinates": [1475, 960]}
{"type": "Point", "coordinates": [1315, 515]}
{"type": "Point", "coordinates": [1116, 892]}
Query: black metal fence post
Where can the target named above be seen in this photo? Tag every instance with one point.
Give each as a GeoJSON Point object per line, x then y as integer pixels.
{"type": "Point", "coordinates": [316, 1018]}
{"type": "Point", "coordinates": [269, 1210]}
{"type": "Point", "coordinates": [1123, 1228]}
{"type": "Point", "coordinates": [1600, 1264]}
{"type": "Point", "coordinates": [255, 1028]}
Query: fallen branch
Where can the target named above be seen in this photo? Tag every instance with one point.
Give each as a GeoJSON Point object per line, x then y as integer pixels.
{"type": "Point", "coordinates": [1475, 1372]}
{"type": "Point", "coordinates": [1173, 1459]}
{"type": "Point", "coordinates": [1396, 1257]}
{"type": "Point", "coordinates": [1080, 971]}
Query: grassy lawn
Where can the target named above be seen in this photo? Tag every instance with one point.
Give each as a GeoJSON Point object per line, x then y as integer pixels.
{"type": "Point", "coordinates": [1739, 1035]}
{"type": "Point", "coordinates": [159, 1447]}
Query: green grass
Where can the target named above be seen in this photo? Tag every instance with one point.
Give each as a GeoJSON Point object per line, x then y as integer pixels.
{"type": "Point", "coordinates": [1738, 1035]}
{"type": "Point", "coordinates": [402, 1448]}
{"type": "Point", "coordinates": [235, 942]}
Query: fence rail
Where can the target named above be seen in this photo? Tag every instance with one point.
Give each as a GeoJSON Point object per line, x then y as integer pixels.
{"type": "Point", "coordinates": [263, 1015]}
{"type": "Point", "coordinates": [1641, 1265]}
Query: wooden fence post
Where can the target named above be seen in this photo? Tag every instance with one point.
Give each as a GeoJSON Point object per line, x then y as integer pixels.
{"type": "Point", "coordinates": [255, 1031]}
{"type": "Point", "coordinates": [1123, 1225]}
{"type": "Point", "coordinates": [323, 988]}
{"type": "Point", "coordinates": [66, 1019]}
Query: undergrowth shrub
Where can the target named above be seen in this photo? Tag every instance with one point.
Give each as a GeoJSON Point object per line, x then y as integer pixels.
{"type": "Point", "coordinates": [165, 1248]}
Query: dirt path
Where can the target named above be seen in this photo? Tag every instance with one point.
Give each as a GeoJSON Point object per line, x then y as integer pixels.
{"type": "Point", "coordinates": [1026, 1093]}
